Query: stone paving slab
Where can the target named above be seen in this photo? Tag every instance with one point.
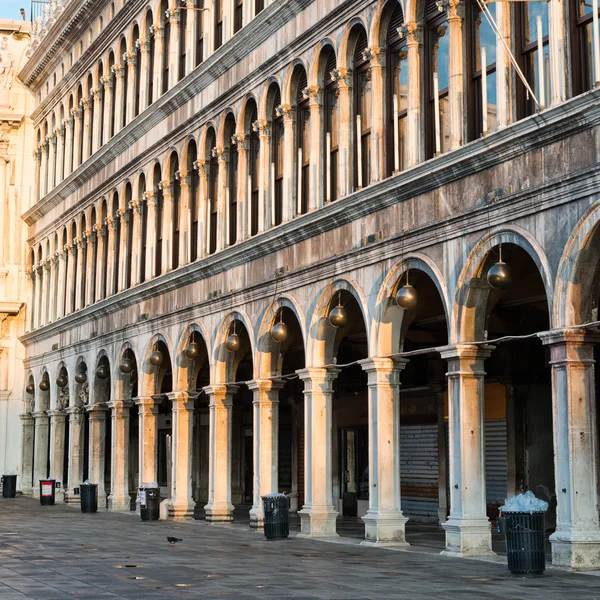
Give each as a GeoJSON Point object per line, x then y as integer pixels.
{"type": "Point", "coordinates": [58, 553]}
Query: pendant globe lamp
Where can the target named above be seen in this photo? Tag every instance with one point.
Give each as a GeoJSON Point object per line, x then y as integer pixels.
{"type": "Point", "coordinates": [126, 366]}
{"type": "Point", "coordinates": [232, 343]}
{"type": "Point", "coordinates": [156, 358]}
{"type": "Point", "coordinates": [192, 351]}
{"type": "Point", "coordinates": [499, 276]}
{"type": "Point", "coordinates": [407, 297]}
{"type": "Point", "coordinates": [338, 316]}
{"type": "Point", "coordinates": [279, 331]}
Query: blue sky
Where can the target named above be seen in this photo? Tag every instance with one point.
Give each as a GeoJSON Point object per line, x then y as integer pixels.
{"type": "Point", "coordinates": [9, 9]}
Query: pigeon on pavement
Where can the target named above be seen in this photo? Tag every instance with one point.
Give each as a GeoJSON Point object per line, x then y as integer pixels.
{"type": "Point", "coordinates": [173, 540]}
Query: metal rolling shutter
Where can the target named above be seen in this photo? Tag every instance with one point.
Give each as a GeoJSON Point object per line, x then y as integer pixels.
{"type": "Point", "coordinates": [419, 471]}
{"type": "Point", "coordinates": [495, 461]}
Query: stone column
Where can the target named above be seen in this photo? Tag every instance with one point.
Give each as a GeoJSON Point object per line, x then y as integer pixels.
{"type": "Point", "coordinates": [243, 227]}
{"type": "Point", "coordinates": [150, 198]}
{"type": "Point", "coordinates": [97, 417]}
{"type": "Point", "coordinates": [81, 274]}
{"type": "Point", "coordinates": [185, 221]}
{"type": "Point", "coordinates": [76, 452]}
{"type": "Point", "coordinates": [504, 69]}
{"type": "Point", "coordinates": [101, 233]}
{"type": "Point", "coordinates": [384, 521]}
{"type": "Point", "coordinates": [148, 454]}
{"type": "Point", "coordinates": [416, 95]}
{"type": "Point", "coordinates": [145, 75]}
{"type": "Point", "coordinates": [119, 72]}
{"type": "Point", "coordinates": [317, 517]}
{"type": "Point", "coordinates": [71, 250]}
{"type": "Point", "coordinates": [131, 58]}
{"type": "Point", "coordinates": [107, 82]}
{"type": "Point", "coordinates": [315, 182]}
{"type": "Point", "coordinates": [44, 169]}
{"type": "Point", "coordinates": [57, 449]}
{"type": "Point", "coordinates": [77, 114]}
{"type": "Point", "coordinates": [190, 35]}
{"type": "Point", "coordinates": [69, 126]}
{"type": "Point", "coordinates": [264, 135]}
{"type": "Point", "coordinates": [346, 132]}
{"type": "Point", "coordinates": [44, 279]}
{"type": "Point", "coordinates": [457, 75]}
{"type": "Point", "coordinates": [576, 541]}
{"type": "Point", "coordinates": [86, 103]}
{"type": "Point", "coordinates": [53, 265]}
{"type": "Point", "coordinates": [90, 243]}
{"type": "Point", "coordinates": [60, 292]}
{"type": "Point", "coordinates": [124, 259]}
{"type": "Point", "coordinates": [28, 427]}
{"type": "Point", "coordinates": [468, 530]}
{"type": "Point", "coordinates": [181, 504]}
{"type": "Point", "coordinates": [38, 166]}
{"type": "Point", "coordinates": [111, 229]}
{"type": "Point", "coordinates": [167, 226]}
{"type": "Point", "coordinates": [203, 209]}
{"type": "Point", "coordinates": [174, 47]}
{"type": "Point", "coordinates": [96, 141]}
{"type": "Point", "coordinates": [60, 154]}
{"type": "Point", "coordinates": [289, 156]}
{"type": "Point", "coordinates": [40, 459]}
{"type": "Point", "coordinates": [558, 15]}
{"type": "Point", "coordinates": [32, 316]}
{"type": "Point", "coordinates": [438, 390]}
{"type": "Point", "coordinates": [219, 507]}
{"type": "Point", "coordinates": [119, 499]}
{"type": "Point", "coordinates": [138, 242]}
{"type": "Point", "coordinates": [376, 56]}
{"type": "Point", "coordinates": [222, 209]}
{"type": "Point", "coordinates": [158, 62]}
{"type": "Point", "coordinates": [52, 161]}
{"type": "Point", "coordinates": [266, 444]}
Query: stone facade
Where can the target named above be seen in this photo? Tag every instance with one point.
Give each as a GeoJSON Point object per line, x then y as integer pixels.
{"type": "Point", "coordinates": [205, 172]}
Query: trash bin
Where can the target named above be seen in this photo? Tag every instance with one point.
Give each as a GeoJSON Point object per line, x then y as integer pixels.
{"type": "Point", "coordinates": [276, 510]}
{"type": "Point", "coordinates": [47, 492]}
{"type": "Point", "coordinates": [9, 486]}
{"type": "Point", "coordinates": [88, 492]}
{"type": "Point", "coordinates": [149, 503]}
{"type": "Point", "coordinates": [523, 525]}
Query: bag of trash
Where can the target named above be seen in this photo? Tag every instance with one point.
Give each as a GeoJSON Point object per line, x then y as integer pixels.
{"type": "Point", "coordinates": [526, 503]}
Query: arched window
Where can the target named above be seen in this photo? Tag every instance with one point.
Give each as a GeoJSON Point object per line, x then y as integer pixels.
{"type": "Point", "coordinates": [62, 140]}
{"type": "Point", "coordinates": [117, 241]}
{"type": "Point", "coordinates": [91, 115]}
{"type": "Point", "coordinates": [138, 69]}
{"type": "Point", "coordinates": [143, 227]}
{"type": "Point", "coordinates": [182, 46]}
{"type": "Point", "coordinates": [213, 190]}
{"type": "Point", "coordinates": [303, 140]}
{"type": "Point", "coordinates": [175, 184]}
{"type": "Point", "coordinates": [362, 112]}
{"type": "Point", "coordinates": [151, 56]}
{"type": "Point", "coordinates": [128, 235]}
{"type": "Point", "coordinates": [254, 157]}
{"type": "Point", "coordinates": [397, 95]}
{"type": "Point", "coordinates": [84, 249]}
{"type": "Point", "coordinates": [238, 15]}
{"type": "Point", "coordinates": [582, 50]}
{"type": "Point", "coordinates": [277, 152]}
{"type": "Point", "coordinates": [125, 78]}
{"type": "Point", "coordinates": [159, 220]}
{"type": "Point", "coordinates": [232, 169]}
{"type": "Point", "coordinates": [331, 126]}
{"type": "Point", "coordinates": [75, 258]}
{"type": "Point", "coordinates": [218, 4]}
{"type": "Point", "coordinates": [531, 25]}
{"type": "Point", "coordinates": [104, 215]}
{"type": "Point", "coordinates": [483, 48]}
{"type": "Point", "coordinates": [199, 32]}
{"type": "Point", "coordinates": [436, 47]}
{"type": "Point", "coordinates": [93, 247]}
{"type": "Point", "coordinates": [100, 117]}
{"type": "Point", "coordinates": [80, 142]}
{"type": "Point", "coordinates": [166, 26]}
{"type": "Point", "coordinates": [259, 5]}
{"type": "Point", "coordinates": [113, 101]}
{"type": "Point", "coordinates": [192, 156]}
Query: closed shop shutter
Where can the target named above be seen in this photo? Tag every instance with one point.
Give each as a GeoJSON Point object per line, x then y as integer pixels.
{"type": "Point", "coordinates": [495, 462]}
{"type": "Point", "coordinates": [419, 471]}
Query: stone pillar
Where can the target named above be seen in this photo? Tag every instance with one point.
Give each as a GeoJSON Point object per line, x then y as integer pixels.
{"type": "Point", "coordinates": [39, 175]}
{"type": "Point", "coordinates": [119, 72]}
{"type": "Point", "coordinates": [131, 59]}
{"type": "Point", "coordinates": [167, 226]}
{"type": "Point", "coordinates": [119, 499]}
{"type": "Point", "coordinates": [53, 264]}
{"type": "Point", "coordinates": [181, 504]}
{"type": "Point", "coordinates": [222, 187]}
{"type": "Point", "coordinates": [504, 69]}
{"type": "Point", "coordinates": [107, 82]}
{"type": "Point", "coordinates": [69, 126]}
{"type": "Point", "coordinates": [71, 257]}
{"type": "Point", "coordinates": [384, 521]}
{"type": "Point", "coordinates": [40, 459]}
{"type": "Point", "coordinates": [576, 541]}
{"type": "Point", "coordinates": [376, 57]}
{"type": "Point", "coordinates": [52, 161]}
{"type": "Point", "coordinates": [28, 427]}
{"type": "Point", "coordinates": [60, 152]}
{"type": "Point", "coordinates": [138, 242]}
{"type": "Point", "coordinates": [264, 135]}
{"type": "Point", "coordinates": [124, 259]}
{"type": "Point", "coordinates": [468, 530]}
{"type": "Point", "coordinates": [558, 15]}
{"type": "Point", "coordinates": [266, 444]}
{"type": "Point", "coordinates": [101, 233]}
{"type": "Point", "coordinates": [81, 274]}
{"type": "Point", "coordinates": [158, 62]}
{"type": "Point", "coordinates": [96, 141]}
{"type": "Point", "coordinates": [111, 265]}
{"type": "Point", "coordinates": [150, 198]}
{"type": "Point", "coordinates": [44, 170]}
{"type": "Point", "coordinates": [60, 292]}
{"type": "Point", "coordinates": [317, 517]}
{"type": "Point", "coordinates": [347, 129]}
{"type": "Point", "coordinates": [57, 449]}
{"type": "Point", "coordinates": [97, 417]}
{"type": "Point", "coordinates": [289, 156]}
{"type": "Point", "coordinates": [203, 209]}
{"type": "Point", "coordinates": [438, 390]}
{"type": "Point", "coordinates": [185, 221]}
{"type": "Point", "coordinates": [416, 95]}
{"type": "Point", "coordinates": [77, 114]}
{"type": "Point", "coordinates": [315, 183]}
{"type": "Point", "coordinates": [457, 75]}
{"type": "Point", "coordinates": [90, 265]}
{"type": "Point", "coordinates": [32, 316]}
{"type": "Point", "coordinates": [219, 507]}
{"type": "Point", "coordinates": [145, 75]}
{"type": "Point", "coordinates": [147, 438]}
{"type": "Point", "coordinates": [190, 35]}
{"type": "Point", "coordinates": [174, 47]}
{"type": "Point", "coordinates": [243, 226]}
{"type": "Point", "coordinates": [76, 452]}
{"type": "Point", "coordinates": [86, 103]}
{"type": "Point", "coordinates": [44, 279]}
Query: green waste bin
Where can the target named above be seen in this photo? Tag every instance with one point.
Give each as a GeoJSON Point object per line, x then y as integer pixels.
{"type": "Point", "coordinates": [9, 486]}
{"type": "Point", "coordinates": [88, 493]}
{"type": "Point", "coordinates": [524, 533]}
{"type": "Point", "coordinates": [276, 510]}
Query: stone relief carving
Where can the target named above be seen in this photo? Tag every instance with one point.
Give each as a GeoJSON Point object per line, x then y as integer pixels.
{"type": "Point", "coordinates": [7, 63]}
{"type": "Point", "coordinates": [63, 398]}
{"type": "Point", "coordinates": [84, 394]}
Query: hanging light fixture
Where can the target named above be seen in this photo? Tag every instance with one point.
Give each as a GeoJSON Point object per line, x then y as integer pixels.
{"type": "Point", "coordinates": [61, 381]}
{"type": "Point", "coordinates": [233, 341]}
{"type": "Point", "coordinates": [192, 351]}
{"type": "Point", "coordinates": [337, 315]}
{"type": "Point", "coordinates": [81, 375]}
{"type": "Point", "coordinates": [407, 297]}
{"type": "Point", "coordinates": [499, 276]}
{"type": "Point", "coordinates": [30, 389]}
{"type": "Point", "coordinates": [44, 383]}
{"type": "Point", "coordinates": [126, 366]}
{"type": "Point", "coordinates": [156, 358]}
{"type": "Point", "coordinates": [102, 372]}
{"type": "Point", "coordinates": [279, 331]}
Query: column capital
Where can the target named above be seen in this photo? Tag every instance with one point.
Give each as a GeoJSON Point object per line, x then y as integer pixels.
{"type": "Point", "coordinates": [569, 336]}
{"type": "Point", "coordinates": [263, 128]}
{"type": "Point", "coordinates": [467, 351]}
{"type": "Point", "coordinates": [147, 403]}
{"type": "Point", "coordinates": [221, 393]}
{"type": "Point", "coordinates": [315, 377]}
{"type": "Point", "coordinates": [266, 385]}
{"type": "Point", "coordinates": [312, 93]}
{"type": "Point", "coordinates": [57, 414]}
{"type": "Point", "coordinates": [75, 410]}
{"type": "Point", "coordinates": [27, 419]}
{"type": "Point", "coordinates": [383, 370]}
{"type": "Point", "coordinates": [183, 400]}
{"type": "Point", "coordinates": [375, 55]}
{"type": "Point", "coordinates": [39, 415]}
{"type": "Point", "coordinates": [97, 412]}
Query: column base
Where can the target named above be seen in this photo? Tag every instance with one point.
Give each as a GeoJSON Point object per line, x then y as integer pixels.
{"type": "Point", "coordinates": [118, 504]}
{"type": "Point", "coordinates": [576, 551]}
{"type": "Point", "coordinates": [180, 510]}
{"type": "Point", "coordinates": [219, 513]}
{"type": "Point", "coordinates": [385, 529]}
{"type": "Point", "coordinates": [318, 522]}
{"type": "Point", "coordinates": [102, 500]}
{"type": "Point", "coordinates": [257, 519]}
{"type": "Point", "coordinates": [468, 537]}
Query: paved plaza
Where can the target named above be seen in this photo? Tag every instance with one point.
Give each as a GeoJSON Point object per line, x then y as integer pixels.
{"type": "Point", "coordinates": [55, 553]}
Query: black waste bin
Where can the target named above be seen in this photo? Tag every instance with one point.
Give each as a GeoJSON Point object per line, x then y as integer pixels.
{"type": "Point", "coordinates": [524, 542]}
{"type": "Point", "coordinates": [277, 522]}
{"type": "Point", "coordinates": [47, 492]}
{"type": "Point", "coordinates": [149, 504]}
{"type": "Point", "coordinates": [9, 486]}
{"type": "Point", "coordinates": [88, 492]}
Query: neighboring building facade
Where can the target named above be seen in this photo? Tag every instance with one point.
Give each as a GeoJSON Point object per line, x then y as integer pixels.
{"type": "Point", "coordinates": [17, 195]}
{"type": "Point", "coordinates": [206, 171]}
